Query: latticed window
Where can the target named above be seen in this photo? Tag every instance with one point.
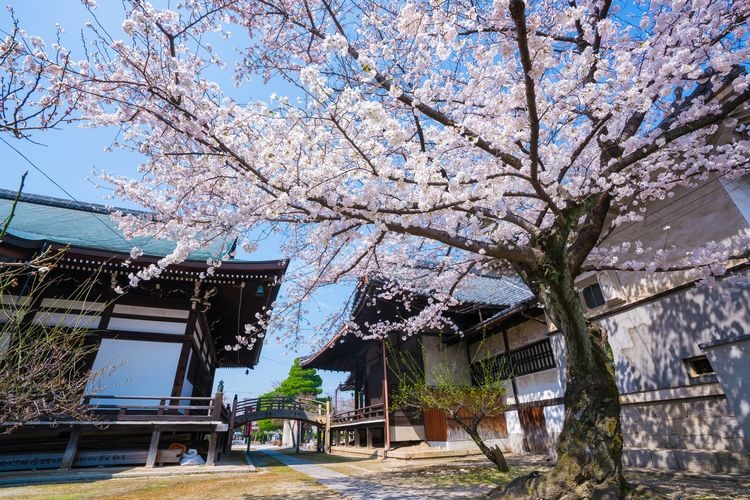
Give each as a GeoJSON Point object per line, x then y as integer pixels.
{"type": "Point", "coordinates": [527, 359]}
{"type": "Point", "coordinates": [593, 296]}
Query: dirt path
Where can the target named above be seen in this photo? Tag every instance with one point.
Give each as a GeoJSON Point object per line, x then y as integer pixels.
{"type": "Point", "coordinates": [346, 486]}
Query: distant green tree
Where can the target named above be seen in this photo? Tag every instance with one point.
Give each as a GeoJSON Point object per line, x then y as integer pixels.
{"type": "Point", "coordinates": [300, 381]}
{"type": "Point", "coordinates": [269, 425]}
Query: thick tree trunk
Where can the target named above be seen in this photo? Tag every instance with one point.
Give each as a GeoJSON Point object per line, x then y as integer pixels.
{"type": "Point", "coordinates": [495, 455]}
{"type": "Point", "coordinates": [589, 448]}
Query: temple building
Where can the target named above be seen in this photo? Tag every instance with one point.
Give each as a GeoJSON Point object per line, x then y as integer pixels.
{"type": "Point", "coordinates": [156, 347]}
{"type": "Point", "coordinates": [680, 348]}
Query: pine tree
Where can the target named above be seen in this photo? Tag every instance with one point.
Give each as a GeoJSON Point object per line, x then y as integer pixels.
{"type": "Point", "coordinates": [300, 381]}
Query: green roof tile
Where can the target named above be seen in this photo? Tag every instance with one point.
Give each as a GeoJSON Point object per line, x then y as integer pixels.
{"type": "Point", "coordinates": [85, 225]}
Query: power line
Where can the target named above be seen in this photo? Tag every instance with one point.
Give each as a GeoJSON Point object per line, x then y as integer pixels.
{"type": "Point", "coordinates": [657, 214]}
{"type": "Point", "coordinates": [274, 361]}
{"type": "Point", "coordinates": [38, 169]}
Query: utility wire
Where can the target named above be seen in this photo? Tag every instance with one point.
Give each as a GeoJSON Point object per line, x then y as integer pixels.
{"type": "Point", "coordinates": [38, 169]}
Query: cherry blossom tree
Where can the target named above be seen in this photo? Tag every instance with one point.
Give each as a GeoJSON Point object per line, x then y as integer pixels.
{"type": "Point", "coordinates": [426, 141]}
{"type": "Point", "coordinates": [31, 97]}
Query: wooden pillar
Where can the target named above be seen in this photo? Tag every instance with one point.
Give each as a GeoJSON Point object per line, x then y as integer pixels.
{"type": "Point", "coordinates": [328, 427]}
{"type": "Point", "coordinates": [230, 432]}
{"type": "Point", "coordinates": [211, 458]}
{"type": "Point", "coordinates": [217, 406]}
{"type": "Point", "coordinates": [368, 432]}
{"type": "Point", "coordinates": [299, 435]}
{"type": "Point", "coordinates": [387, 443]}
{"type": "Point", "coordinates": [319, 441]}
{"type": "Point", "coordinates": [356, 438]}
{"type": "Point", "coordinates": [153, 448]}
{"type": "Point", "coordinates": [70, 450]}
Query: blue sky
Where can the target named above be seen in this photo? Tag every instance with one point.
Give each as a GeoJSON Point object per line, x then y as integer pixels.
{"type": "Point", "coordinates": [66, 159]}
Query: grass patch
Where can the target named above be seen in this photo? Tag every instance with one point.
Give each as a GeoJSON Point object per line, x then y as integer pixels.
{"type": "Point", "coordinates": [473, 475]}
{"type": "Point", "coordinates": [275, 482]}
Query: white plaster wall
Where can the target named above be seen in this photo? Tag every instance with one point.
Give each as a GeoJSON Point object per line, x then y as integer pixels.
{"type": "Point", "coordinates": [19, 300]}
{"type": "Point", "coordinates": [146, 326]}
{"type": "Point", "coordinates": [440, 359]}
{"type": "Point", "coordinates": [76, 314]}
{"type": "Point", "coordinates": [159, 312]}
{"type": "Point", "coordinates": [553, 418]}
{"type": "Point", "coordinates": [135, 368]}
{"type": "Point", "coordinates": [468, 444]}
{"type": "Point", "coordinates": [407, 433]}
{"type": "Point", "coordinates": [515, 431]}
{"type": "Point", "coordinates": [558, 348]}
{"type": "Point", "coordinates": [67, 320]}
{"type": "Point", "coordinates": [487, 348]}
{"type": "Point", "coordinates": [717, 213]}
{"type": "Point", "coordinates": [526, 333]}
{"type": "Point", "coordinates": [732, 364]}
{"type": "Point", "coordinates": [650, 342]}
{"type": "Point", "coordinates": [538, 386]}
{"type": "Point", "coordinates": [78, 305]}
{"type": "Point", "coordinates": [739, 191]}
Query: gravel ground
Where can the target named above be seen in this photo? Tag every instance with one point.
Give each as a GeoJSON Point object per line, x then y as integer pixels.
{"type": "Point", "coordinates": [457, 478]}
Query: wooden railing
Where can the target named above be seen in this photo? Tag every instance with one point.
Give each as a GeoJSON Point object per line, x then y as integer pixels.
{"type": "Point", "coordinates": [374, 412]}
{"type": "Point", "coordinates": [161, 408]}
{"type": "Point", "coordinates": [281, 403]}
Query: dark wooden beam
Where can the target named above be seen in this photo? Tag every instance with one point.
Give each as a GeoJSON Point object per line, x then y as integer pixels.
{"type": "Point", "coordinates": [182, 363]}
{"type": "Point", "coordinates": [71, 449]}
{"type": "Point", "coordinates": [153, 448]}
{"type": "Point", "coordinates": [212, 449]}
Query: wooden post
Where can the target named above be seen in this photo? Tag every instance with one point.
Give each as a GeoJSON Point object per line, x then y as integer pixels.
{"type": "Point", "coordinates": [211, 458]}
{"type": "Point", "coordinates": [387, 443]}
{"type": "Point", "coordinates": [368, 432]}
{"type": "Point", "coordinates": [153, 448]}
{"type": "Point", "coordinates": [230, 432]}
{"type": "Point", "coordinates": [328, 427]}
{"type": "Point", "coordinates": [218, 405]}
{"type": "Point", "coordinates": [356, 438]}
{"type": "Point", "coordinates": [299, 435]}
{"type": "Point", "coordinates": [70, 450]}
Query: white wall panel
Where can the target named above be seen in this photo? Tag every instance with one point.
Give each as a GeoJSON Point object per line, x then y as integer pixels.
{"type": "Point", "coordinates": [69, 320]}
{"type": "Point", "coordinates": [147, 326]}
{"type": "Point", "coordinates": [13, 299]}
{"type": "Point", "coordinates": [78, 305]}
{"type": "Point", "coordinates": [136, 368]}
{"type": "Point", "coordinates": [538, 386]}
{"type": "Point", "coordinates": [150, 311]}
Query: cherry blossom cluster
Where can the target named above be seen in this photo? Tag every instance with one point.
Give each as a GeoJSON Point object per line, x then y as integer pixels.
{"type": "Point", "coordinates": [421, 141]}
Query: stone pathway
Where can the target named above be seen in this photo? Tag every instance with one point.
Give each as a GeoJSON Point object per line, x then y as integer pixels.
{"type": "Point", "coordinates": [347, 486]}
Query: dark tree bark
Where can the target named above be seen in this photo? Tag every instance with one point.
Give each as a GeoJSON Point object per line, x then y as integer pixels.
{"type": "Point", "coordinates": [494, 455]}
{"type": "Point", "coordinates": [589, 448]}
